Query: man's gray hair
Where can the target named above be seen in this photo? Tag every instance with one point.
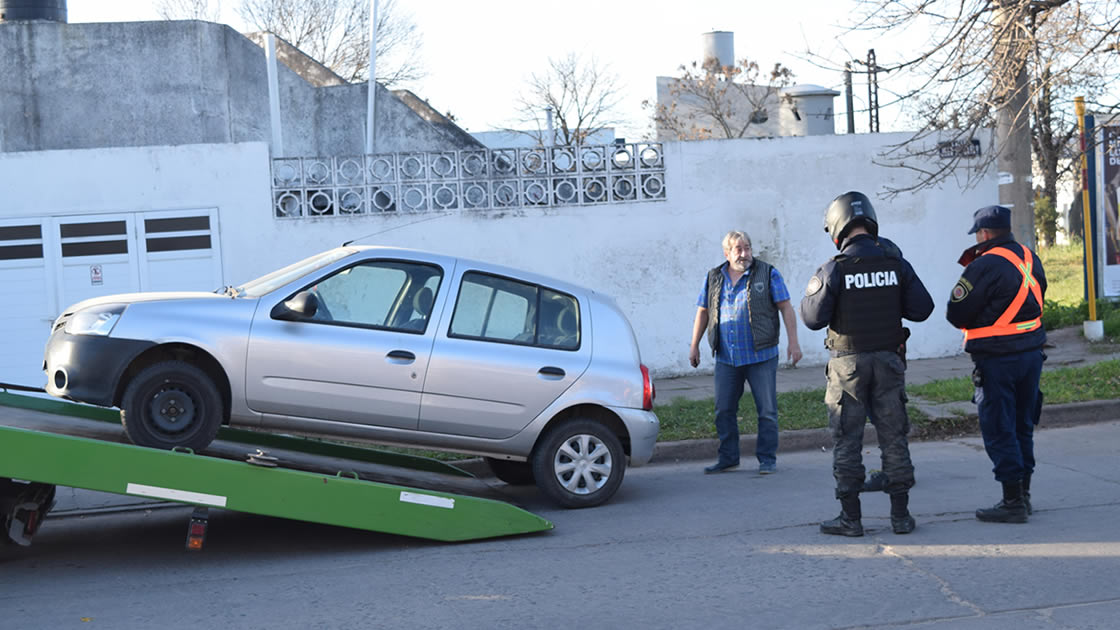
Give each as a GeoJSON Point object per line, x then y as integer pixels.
{"type": "Point", "coordinates": [736, 235]}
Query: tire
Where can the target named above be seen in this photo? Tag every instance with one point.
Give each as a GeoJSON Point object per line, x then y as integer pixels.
{"type": "Point", "coordinates": [172, 404]}
{"type": "Point", "coordinates": [579, 463]}
{"type": "Point", "coordinates": [513, 473]}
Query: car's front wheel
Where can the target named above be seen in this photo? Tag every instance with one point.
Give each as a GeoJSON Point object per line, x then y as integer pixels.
{"type": "Point", "coordinates": [579, 463]}
{"type": "Point", "coordinates": [169, 404]}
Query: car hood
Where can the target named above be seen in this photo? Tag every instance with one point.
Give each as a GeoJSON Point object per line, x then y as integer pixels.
{"type": "Point", "coordinates": [155, 296]}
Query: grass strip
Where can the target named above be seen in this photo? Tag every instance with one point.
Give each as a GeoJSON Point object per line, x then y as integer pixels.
{"type": "Point", "coordinates": [694, 419]}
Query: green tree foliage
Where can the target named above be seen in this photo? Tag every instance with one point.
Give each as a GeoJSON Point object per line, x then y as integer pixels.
{"type": "Point", "coordinates": [1045, 220]}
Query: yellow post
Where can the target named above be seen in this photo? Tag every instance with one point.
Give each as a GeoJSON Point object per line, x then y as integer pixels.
{"type": "Point", "coordinates": [1079, 105]}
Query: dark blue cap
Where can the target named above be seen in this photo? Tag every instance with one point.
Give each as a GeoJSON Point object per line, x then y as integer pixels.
{"type": "Point", "coordinates": [992, 218]}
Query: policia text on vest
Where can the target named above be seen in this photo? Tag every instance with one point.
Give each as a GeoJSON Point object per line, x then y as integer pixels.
{"type": "Point", "coordinates": [871, 279]}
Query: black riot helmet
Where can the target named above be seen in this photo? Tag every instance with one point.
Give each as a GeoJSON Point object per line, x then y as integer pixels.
{"type": "Point", "coordinates": [847, 210]}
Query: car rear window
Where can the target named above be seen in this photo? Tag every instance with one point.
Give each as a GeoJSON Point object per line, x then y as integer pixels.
{"type": "Point", "coordinates": [493, 308]}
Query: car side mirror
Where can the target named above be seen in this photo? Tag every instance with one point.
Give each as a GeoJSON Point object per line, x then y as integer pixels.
{"type": "Point", "coordinates": [300, 306]}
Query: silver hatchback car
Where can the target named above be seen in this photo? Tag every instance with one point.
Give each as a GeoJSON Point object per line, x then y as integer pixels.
{"type": "Point", "coordinates": [390, 346]}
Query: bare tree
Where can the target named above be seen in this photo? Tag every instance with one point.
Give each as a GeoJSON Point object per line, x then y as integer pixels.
{"type": "Point", "coordinates": [336, 33]}
{"type": "Point", "coordinates": [584, 96]}
{"type": "Point", "coordinates": [713, 101]}
{"type": "Point", "coordinates": [209, 10]}
{"type": "Point", "coordinates": [1015, 62]}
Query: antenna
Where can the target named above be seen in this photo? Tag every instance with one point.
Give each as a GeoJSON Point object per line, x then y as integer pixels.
{"type": "Point", "coordinates": [395, 227]}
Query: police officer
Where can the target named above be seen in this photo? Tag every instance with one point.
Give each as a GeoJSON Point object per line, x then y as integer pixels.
{"type": "Point", "coordinates": [862, 294]}
{"type": "Point", "coordinates": [998, 303]}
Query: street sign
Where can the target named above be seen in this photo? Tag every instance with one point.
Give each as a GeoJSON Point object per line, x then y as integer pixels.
{"type": "Point", "coordinates": [969, 148]}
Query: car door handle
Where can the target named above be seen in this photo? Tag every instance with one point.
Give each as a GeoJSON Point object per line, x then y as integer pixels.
{"type": "Point", "coordinates": [550, 372]}
{"type": "Point", "coordinates": [403, 357]}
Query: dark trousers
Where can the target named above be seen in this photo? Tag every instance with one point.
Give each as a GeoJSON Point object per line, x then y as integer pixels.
{"type": "Point", "coordinates": [1006, 405]}
{"type": "Point", "coordinates": [862, 386]}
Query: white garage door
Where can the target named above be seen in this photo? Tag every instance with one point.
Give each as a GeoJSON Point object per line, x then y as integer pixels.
{"type": "Point", "coordinates": [29, 301]}
{"type": "Point", "coordinates": [48, 264]}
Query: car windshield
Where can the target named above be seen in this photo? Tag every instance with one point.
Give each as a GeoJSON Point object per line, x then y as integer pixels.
{"type": "Point", "coordinates": [280, 277]}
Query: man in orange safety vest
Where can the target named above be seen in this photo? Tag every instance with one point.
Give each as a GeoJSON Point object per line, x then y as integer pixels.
{"type": "Point", "coordinates": [998, 304]}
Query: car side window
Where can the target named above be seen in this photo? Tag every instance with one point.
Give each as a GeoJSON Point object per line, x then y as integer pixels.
{"type": "Point", "coordinates": [381, 294]}
{"type": "Point", "coordinates": [499, 309]}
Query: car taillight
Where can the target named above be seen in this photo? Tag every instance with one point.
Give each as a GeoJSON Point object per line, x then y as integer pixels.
{"type": "Point", "coordinates": [648, 393]}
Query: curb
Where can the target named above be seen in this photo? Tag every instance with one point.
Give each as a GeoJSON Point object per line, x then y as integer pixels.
{"type": "Point", "coordinates": [1053, 416]}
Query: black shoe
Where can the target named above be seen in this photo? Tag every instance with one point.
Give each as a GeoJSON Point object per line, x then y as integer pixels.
{"type": "Point", "coordinates": [843, 526]}
{"type": "Point", "coordinates": [719, 467]}
{"type": "Point", "coordinates": [1027, 502]}
{"type": "Point", "coordinates": [1006, 511]}
{"type": "Point", "coordinates": [903, 524]}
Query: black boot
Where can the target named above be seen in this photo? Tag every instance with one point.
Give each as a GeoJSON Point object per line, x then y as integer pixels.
{"type": "Point", "coordinates": [848, 523]}
{"type": "Point", "coordinates": [901, 521]}
{"type": "Point", "coordinates": [1027, 492]}
{"type": "Point", "coordinates": [1012, 509]}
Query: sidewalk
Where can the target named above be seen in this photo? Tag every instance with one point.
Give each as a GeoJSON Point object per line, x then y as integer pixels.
{"type": "Point", "coordinates": [1066, 347]}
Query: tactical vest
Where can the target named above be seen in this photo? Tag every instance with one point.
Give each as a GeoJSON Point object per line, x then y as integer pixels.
{"type": "Point", "coordinates": [868, 313]}
{"type": "Point", "coordinates": [761, 310]}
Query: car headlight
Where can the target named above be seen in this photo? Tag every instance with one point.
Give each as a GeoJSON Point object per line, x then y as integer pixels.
{"type": "Point", "coordinates": [96, 320]}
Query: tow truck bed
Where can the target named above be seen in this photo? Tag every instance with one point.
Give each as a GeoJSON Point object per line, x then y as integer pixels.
{"type": "Point", "coordinates": [57, 443]}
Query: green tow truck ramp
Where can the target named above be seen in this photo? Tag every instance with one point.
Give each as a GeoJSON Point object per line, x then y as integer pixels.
{"type": "Point", "coordinates": [53, 443]}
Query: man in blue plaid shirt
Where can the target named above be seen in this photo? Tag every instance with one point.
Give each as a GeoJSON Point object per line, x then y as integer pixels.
{"type": "Point", "coordinates": [739, 307]}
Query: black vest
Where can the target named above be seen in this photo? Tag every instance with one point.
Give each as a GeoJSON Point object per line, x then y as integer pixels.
{"type": "Point", "coordinates": [761, 310]}
{"type": "Point", "coordinates": [868, 313]}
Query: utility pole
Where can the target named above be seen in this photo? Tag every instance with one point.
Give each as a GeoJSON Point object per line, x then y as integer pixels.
{"type": "Point", "coordinates": [873, 90]}
{"type": "Point", "coordinates": [848, 97]}
{"type": "Point", "coordinates": [371, 94]}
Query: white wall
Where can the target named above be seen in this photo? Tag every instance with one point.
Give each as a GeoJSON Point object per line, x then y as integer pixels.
{"type": "Point", "coordinates": [652, 256]}
{"type": "Point", "coordinates": [231, 177]}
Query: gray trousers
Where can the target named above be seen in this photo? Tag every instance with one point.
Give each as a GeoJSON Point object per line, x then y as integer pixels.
{"type": "Point", "coordinates": [861, 386]}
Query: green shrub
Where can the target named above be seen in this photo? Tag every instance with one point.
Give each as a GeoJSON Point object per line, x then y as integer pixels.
{"type": "Point", "coordinates": [1112, 326]}
{"type": "Point", "coordinates": [1057, 315]}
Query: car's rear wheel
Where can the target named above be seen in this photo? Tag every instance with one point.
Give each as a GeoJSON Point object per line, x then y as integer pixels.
{"type": "Point", "coordinates": [169, 404]}
{"type": "Point", "coordinates": [579, 463]}
{"type": "Point", "coordinates": [513, 473]}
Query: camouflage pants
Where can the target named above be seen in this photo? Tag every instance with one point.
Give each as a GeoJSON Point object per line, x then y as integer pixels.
{"type": "Point", "coordinates": [861, 386]}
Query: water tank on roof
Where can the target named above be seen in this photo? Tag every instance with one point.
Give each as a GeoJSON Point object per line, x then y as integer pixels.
{"type": "Point", "coordinates": [15, 10]}
{"type": "Point", "coordinates": [720, 45]}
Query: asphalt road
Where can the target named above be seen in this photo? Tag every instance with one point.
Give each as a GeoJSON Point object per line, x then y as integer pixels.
{"type": "Point", "coordinates": [674, 549]}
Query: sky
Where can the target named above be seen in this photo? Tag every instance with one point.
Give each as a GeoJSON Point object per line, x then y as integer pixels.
{"type": "Point", "coordinates": [478, 55]}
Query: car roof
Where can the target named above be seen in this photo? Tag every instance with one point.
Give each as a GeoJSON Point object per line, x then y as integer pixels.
{"type": "Point", "coordinates": [501, 270]}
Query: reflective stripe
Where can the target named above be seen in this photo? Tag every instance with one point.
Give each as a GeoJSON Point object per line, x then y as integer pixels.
{"type": "Point", "coordinates": [1003, 326]}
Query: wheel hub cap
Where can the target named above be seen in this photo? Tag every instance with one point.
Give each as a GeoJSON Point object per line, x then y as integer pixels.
{"type": "Point", "coordinates": [583, 464]}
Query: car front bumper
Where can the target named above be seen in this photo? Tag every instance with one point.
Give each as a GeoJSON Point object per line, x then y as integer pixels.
{"type": "Point", "coordinates": [87, 368]}
{"type": "Point", "coordinates": [643, 427]}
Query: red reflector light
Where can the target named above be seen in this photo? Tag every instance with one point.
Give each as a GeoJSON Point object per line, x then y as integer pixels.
{"type": "Point", "coordinates": [198, 529]}
{"type": "Point", "coordinates": [647, 389]}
